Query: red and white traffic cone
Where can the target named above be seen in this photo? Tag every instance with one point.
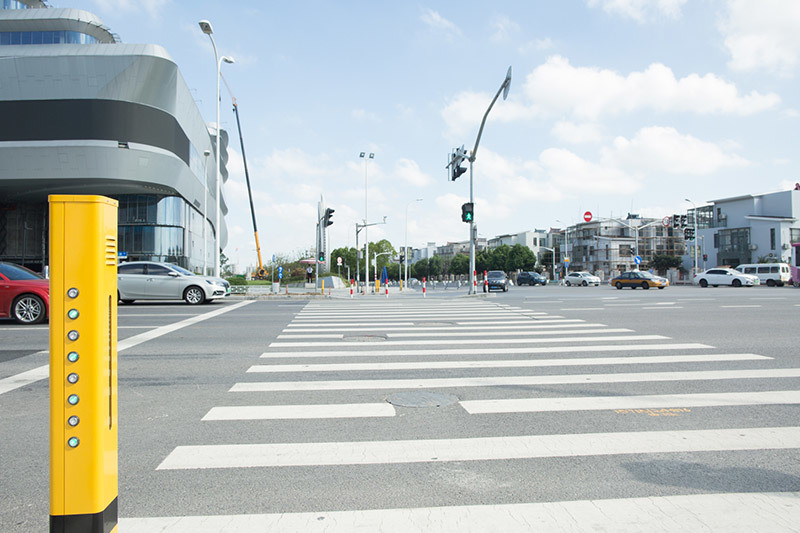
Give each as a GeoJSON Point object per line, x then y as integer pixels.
{"type": "Point", "coordinates": [351, 288]}
{"type": "Point", "coordinates": [475, 281]}
{"type": "Point", "coordinates": [423, 286]}
{"type": "Point", "coordinates": [485, 282]}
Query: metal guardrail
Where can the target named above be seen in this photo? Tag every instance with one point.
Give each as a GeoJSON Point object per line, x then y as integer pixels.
{"type": "Point", "coordinates": [238, 289]}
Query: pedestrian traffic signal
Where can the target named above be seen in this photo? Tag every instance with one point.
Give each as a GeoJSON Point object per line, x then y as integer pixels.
{"type": "Point", "coordinates": [327, 218]}
{"type": "Point", "coordinates": [321, 257]}
{"type": "Point", "coordinates": [466, 212]}
{"type": "Point", "coordinates": [688, 234]}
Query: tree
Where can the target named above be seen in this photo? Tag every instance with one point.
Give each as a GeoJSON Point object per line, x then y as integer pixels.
{"type": "Point", "coordinates": [459, 265]}
{"type": "Point", "coordinates": [420, 269]}
{"type": "Point", "coordinates": [435, 265]}
{"type": "Point", "coordinates": [664, 262]}
{"type": "Point", "coordinates": [520, 258]}
{"type": "Point", "coordinates": [481, 261]}
{"type": "Point", "coordinates": [498, 258]}
{"type": "Point", "coordinates": [381, 247]}
{"type": "Point", "coordinates": [348, 256]}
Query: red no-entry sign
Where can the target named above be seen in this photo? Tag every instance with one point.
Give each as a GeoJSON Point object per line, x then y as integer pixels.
{"type": "Point", "coordinates": [587, 216]}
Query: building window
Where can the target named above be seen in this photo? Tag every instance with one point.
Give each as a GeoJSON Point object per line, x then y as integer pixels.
{"type": "Point", "coordinates": [772, 238]}
{"type": "Point", "coordinates": [45, 37]}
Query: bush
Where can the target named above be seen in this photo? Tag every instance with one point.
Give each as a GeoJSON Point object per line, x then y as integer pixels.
{"type": "Point", "coordinates": [236, 280]}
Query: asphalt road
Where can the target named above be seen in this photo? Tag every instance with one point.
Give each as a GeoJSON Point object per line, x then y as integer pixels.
{"type": "Point", "coordinates": [582, 407]}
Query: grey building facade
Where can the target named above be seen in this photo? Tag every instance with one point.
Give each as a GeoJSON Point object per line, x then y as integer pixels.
{"type": "Point", "coordinates": [84, 113]}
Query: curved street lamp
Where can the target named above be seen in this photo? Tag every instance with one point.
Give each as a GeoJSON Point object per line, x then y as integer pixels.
{"type": "Point", "coordinates": [205, 26]}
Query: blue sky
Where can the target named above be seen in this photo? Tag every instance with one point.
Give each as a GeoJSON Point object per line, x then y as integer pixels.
{"type": "Point", "coordinates": [615, 106]}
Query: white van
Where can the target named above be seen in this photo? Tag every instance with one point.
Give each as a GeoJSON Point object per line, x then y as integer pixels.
{"type": "Point", "coordinates": [770, 274]}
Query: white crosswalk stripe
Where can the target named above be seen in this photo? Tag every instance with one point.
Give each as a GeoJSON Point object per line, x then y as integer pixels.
{"type": "Point", "coordinates": [444, 345]}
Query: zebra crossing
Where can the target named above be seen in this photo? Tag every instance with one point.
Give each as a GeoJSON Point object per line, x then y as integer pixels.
{"type": "Point", "coordinates": [499, 361]}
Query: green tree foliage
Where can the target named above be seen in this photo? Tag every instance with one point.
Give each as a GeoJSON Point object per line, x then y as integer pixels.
{"type": "Point", "coordinates": [381, 247]}
{"type": "Point", "coordinates": [459, 265]}
{"type": "Point", "coordinates": [520, 258]}
{"type": "Point", "coordinates": [435, 266]}
{"type": "Point", "coordinates": [420, 268]}
{"type": "Point", "coordinates": [348, 256]}
{"type": "Point", "coordinates": [498, 257]}
{"type": "Point", "coordinates": [664, 262]}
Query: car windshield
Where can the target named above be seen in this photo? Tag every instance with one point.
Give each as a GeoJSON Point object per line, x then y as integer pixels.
{"type": "Point", "coordinates": [494, 274]}
{"type": "Point", "coordinates": [17, 272]}
{"type": "Point", "coordinates": [182, 270]}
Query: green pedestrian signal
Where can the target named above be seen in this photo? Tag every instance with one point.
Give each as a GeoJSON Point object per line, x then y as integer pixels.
{"type": "Point", "coordinates": [467, 212]}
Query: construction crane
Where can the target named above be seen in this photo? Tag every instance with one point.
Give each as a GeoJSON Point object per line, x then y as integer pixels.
{"type": "Point", "coordinates": [261, 272]}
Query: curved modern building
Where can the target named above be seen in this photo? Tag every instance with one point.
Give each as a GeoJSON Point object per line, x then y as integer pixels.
{"type": "Point", "coordinates": [84, 113]}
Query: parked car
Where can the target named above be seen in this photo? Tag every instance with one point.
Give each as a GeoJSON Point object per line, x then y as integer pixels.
{"type": "Point", "coordinates": [496, 279]}
{"type": "Point", "coordinates": [531, 278]}
{"type": "Point", "coordinates": [24, 294]}
{"type": "Point", "coordinates": [725, 276]}
{"type": "Point", "coordinates": [772, 274]}
{"type": "Point", "coordinates": [148, 280]}
{"type": "Point", "coordinates": [581, 278]}
{"type": "Point", "coordinates": [638, 278]}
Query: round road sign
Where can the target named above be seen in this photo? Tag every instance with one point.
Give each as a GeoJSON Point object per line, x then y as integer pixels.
{"type": "Point", "coordinates": [666, 221]}
{"type": "Point", "coordinates": [587, 216]}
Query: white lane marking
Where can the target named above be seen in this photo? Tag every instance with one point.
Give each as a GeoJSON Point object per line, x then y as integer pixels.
{"type": "Point", "coordinates": [667, 308]}
{"type": "Point", "coordinates": [402, 314]}
{"type": "Point", "coordinates": [478, 449]}
{"type": "Point", "coordinates": [290, 412]}
{"type": "Point", "coordinates": [514, 363]}
{"type": "Point", "coordinates": [751, 511]}
{"type": "Point", "coordinates": [582, 309]}
{"type": "Point", "coordinates": [25, 378]}
{"type": "Point", "coordinates": [331, 324]}
{"type": "Point", "coordinates": [768, 298]}
{"type": "Point", "coordinates": [500, 381]}
{"type": "Point", "coordinates": [489, 351]}
{"type": "Point", "coordinates": [666, 303]}
{"type": "Point", "coordinates": [528, 326]}
{"type": "Point", "coordinates": [736, 306]}
{"type": "Point", "coordinates": [428, 342]}
{"type": "Point", "coordinates": [596, 403]}
{"type": "Point", "coordinates": [462, 333]}
{"type": "Point", "coordinates": [552, 319]}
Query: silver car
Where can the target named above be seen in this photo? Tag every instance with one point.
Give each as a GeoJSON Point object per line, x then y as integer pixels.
{"type": "Point", "coordinates": [147, 280]}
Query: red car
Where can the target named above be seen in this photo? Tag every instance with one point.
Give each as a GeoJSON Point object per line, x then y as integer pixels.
{"type": "Point", "coordinates": [24, 294]}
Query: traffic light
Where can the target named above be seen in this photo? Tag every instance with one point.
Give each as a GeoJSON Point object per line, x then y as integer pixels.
{"type": "Point", "coordinates": [688, 234]}
{"type": "Point", "coordinates": [705, 257]}
{"type": "Point", "coordinates": [676, 221]}
{"type": "Point", "coordinates": [466, 212]}
{"type": "Point", "coordinates": [456, 158]}
{"type": "Point", "coordinates": [327, 218]}
{"type": "Point", "coordinates": [321, 256]}
{"type": "Point", "coordinates": [683, 221]}
{"type": "Point", "coordinates": [402, 258]}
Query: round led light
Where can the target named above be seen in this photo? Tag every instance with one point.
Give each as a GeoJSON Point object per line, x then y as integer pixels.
{"type": "Point", "coordinates": [72, 293]}
{"type": "Point", "coordinates": [72, 378]}
{"type": "Point", "coordinates": [73, 399]}
{"type": "Point", "coordinates": [73, 314]}
{"type": "Point", "coordinates": [73, 356]}
{"type": "Point", "coordinates": [73, 421]}
{"type": "Point", "coordinates": [73, 442]}
{"type": "Point", "coordinates": [73, 335]}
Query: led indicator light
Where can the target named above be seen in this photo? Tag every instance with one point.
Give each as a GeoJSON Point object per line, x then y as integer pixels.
{"type": "Point", "coordinates": [73, 399]}
{"type": "Point", "coordinates": [73, 421]}
{"type": "Point", "coordinates": [73, 335]}
{"type": "Point", "coordinates": [72, 293]}
{"type": "Point", "coordinates": [73, 442]}
{"type": "Point", "coordinates": [72, 378]}
{"type": "Point", "coordinates": [73, 356]}
{"type": "Point", "coordinates": [73, 314]}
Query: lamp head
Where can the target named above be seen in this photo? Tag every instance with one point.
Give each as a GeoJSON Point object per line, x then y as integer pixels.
{"type": "Point", "coordinates": [205, 26]}
{"type": "Point", "coordinates": [228, 59]}
{"type": "Point", "coordinates": [507, 83]}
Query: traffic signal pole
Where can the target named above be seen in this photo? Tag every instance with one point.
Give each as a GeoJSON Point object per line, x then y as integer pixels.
{"type": "Point", "coordinates": [472, 289]}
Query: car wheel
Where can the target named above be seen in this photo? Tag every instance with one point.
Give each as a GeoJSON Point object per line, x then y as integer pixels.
{"type": "Point", "coordinates": [703, 283]}
{"type": "Point", "coordinates": [194, 295]}
{"type": "Point", "coordinates": [29, 309]}
{"type": "Point", "coordinates": [567, 283]}
{"type": "Point", "coordinates": [645, 285]}
{"type": "Point", "coordinates": [737, 283]}
{"type": "Point", "coordinates": [584, 283]}
{"type": "Point", "coordinates": [660, 288]}
{"type": "Point", "coordinates": [505, 288]}
{"type": "Point", "coordinates": [770, 283]}
{"type": "Point", "coordinates": [618, 285]}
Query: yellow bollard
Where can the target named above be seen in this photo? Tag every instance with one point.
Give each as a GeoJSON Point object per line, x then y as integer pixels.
{"type": "Point", "coordinates": [323, 286]}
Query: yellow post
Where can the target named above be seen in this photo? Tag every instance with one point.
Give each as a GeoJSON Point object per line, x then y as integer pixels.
{"type": "Point", "coordinates": [83, 364]}
{"type": "Point", "coordinates": [323, 286]}
{"type": "Point", "coordinates": [377, 286]}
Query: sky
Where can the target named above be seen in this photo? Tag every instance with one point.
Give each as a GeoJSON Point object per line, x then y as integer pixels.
{"type": "Point", "coordinates": [615, 107]}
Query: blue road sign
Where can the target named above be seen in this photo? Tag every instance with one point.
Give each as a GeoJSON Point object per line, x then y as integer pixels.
{"type": "Point", "coordinates": [122, 255]}
{"type": "Point", "coordinates": [280, 272]}
{"type": "Point", "coordinates": [638, 259]}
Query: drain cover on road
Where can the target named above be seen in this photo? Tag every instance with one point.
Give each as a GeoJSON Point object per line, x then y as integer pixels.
{"type": "Point", "coordinates": [421, 399]}
{"type": "Point", "coordinates": [364, 338]}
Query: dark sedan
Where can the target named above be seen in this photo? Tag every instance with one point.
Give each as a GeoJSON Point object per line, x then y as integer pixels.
{"type": "Point", "coordinates": [531, 278]}
{"type": "Point", "coordinates": [496, 279]}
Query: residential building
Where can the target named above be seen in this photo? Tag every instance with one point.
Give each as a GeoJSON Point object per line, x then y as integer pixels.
{"type": "Point", "coordinates": [84, 113]}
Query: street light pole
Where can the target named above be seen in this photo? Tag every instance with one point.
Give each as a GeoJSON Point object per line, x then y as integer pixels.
{"type": "Point", "coordinates": [363, 155]}
{"type": "Point", "coordinates": [206, 153]}
{"type": "Point", "coordinates": [405, 246]}
{"type": "Point", "coordinates": [359, 227]}
{"type": "Point", "coordinates": [504, 87]}
{"type": "Point", "coordinates": [205, 26]}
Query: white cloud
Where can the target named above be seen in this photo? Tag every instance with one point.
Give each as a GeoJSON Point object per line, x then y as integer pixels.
{"type": "Point", "coordinates": [640, 10]}
{"type": "Point", "coordinates": [660, 149]}
{"type": "Point", "coordinates": [362, 114]}
{"type": "Point", "coordinates": [465, 111]}
{"type": "Point", "coordinates": [536, 45]}
{"type": "Point", "coordinates": [294, 163]}
{"type": "Point", "coordinates": [578, 176]}
{"type": "Point", "coordinates": [590, 92]}
{"type": "Point", "coordinates": [438, 23]}
{"type": "Point", "coordinates": [503, 28]}
{"type": "Point", "coordinates": [572, 133]}
{"type": "Point", "coordinates": [763, 35]}
{"type": "Point", "coordinates": [408, 172]}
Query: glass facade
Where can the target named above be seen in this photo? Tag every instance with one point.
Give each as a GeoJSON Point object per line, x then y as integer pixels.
{"type": "Point", "coordinates": [13, 4]}
{"type": "Point", "coordinates": [164, 228]}
{"type": "Point", "coordinates": [45, 37]}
